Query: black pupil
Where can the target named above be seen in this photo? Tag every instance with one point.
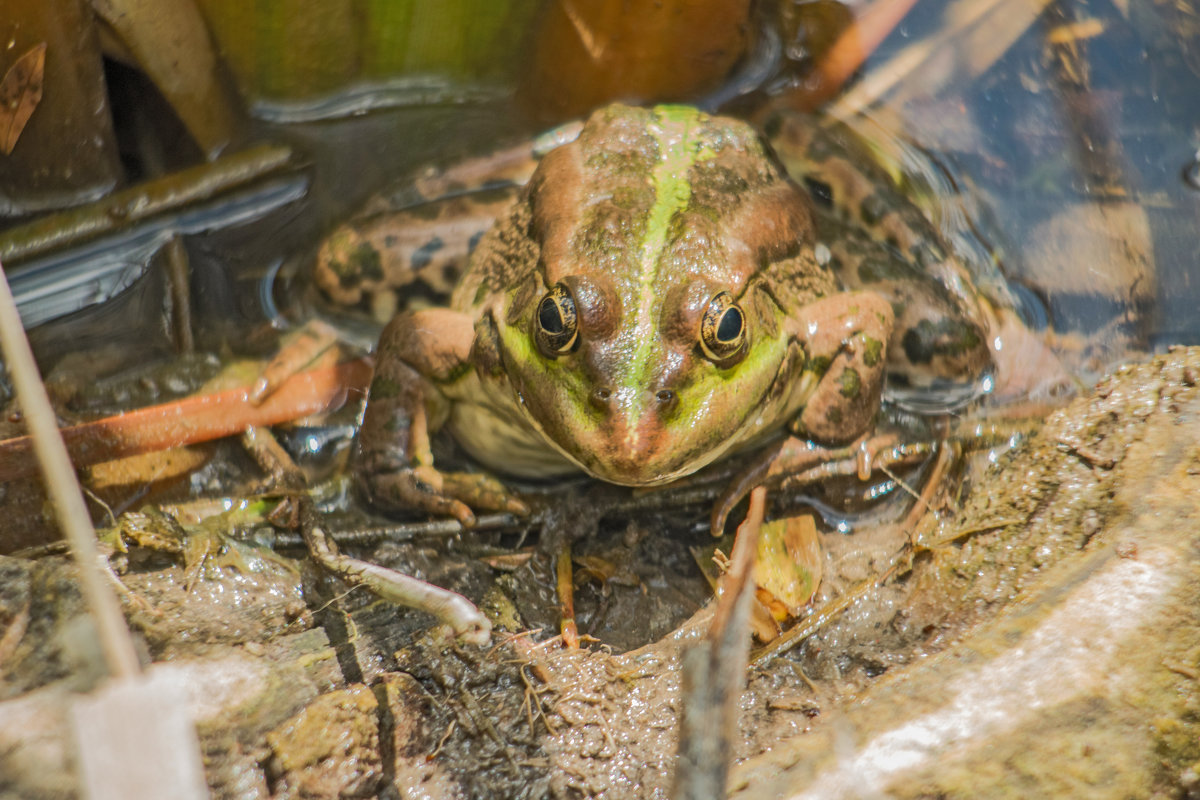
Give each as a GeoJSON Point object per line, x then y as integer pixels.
{"type": "Point", "coordinates": [731, 325]}
{"type": "Point", "coordinates": [549, 317]}
{"type": "Point", "coordinates": [821, 192]}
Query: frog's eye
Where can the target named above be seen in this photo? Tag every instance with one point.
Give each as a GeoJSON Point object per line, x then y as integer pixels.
{"type": "Point", "coordinates": [555, 325]}
{"type": "Point", "coordinates": [723, 330]}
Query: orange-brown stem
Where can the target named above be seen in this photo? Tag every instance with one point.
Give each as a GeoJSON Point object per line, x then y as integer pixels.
{"type": "Point", "coordinates": [195, 419]}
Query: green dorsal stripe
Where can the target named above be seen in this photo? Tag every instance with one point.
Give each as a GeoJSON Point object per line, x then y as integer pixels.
{"type": "Point", "coordinates": [673, 127]}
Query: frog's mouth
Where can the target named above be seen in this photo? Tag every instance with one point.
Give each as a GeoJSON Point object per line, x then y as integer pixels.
{"type": "Point", "coordinates": [640, 442]}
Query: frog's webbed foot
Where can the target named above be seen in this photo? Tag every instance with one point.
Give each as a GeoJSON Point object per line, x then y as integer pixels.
{"type": "Point", "coordinates": [452, 494]}
{"type": "Point", "coordinates": [419, 355]}
{"type": "Point", "coordinates": [796, 458]}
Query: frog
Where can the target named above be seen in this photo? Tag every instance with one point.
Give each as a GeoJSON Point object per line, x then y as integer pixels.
{"type": "Point", "coordinates": [655, 298]}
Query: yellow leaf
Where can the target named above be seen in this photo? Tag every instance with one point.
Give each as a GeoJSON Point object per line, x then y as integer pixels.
{"type": "Point", "coordinates": [789, 565]}
{"type": "Point", "coordinates": [20, 93]}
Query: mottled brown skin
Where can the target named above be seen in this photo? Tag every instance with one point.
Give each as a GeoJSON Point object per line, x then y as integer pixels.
{"type": "Point", "coordinates": [368, 262]}
{"type": "Point", "coordinates": [408, 248]}
{"type": "Point", "coordinates": [880, 241]}
{"type": "Point", "coordinates": [645, 219]}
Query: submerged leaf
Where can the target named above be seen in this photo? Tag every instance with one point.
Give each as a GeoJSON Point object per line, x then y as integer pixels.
{"type": "Point", "coordinates": [20, 93]}
{"type": "Point", "coordinates": [789, 565]}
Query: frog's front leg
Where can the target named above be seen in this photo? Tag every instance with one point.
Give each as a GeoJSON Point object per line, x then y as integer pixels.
{"type": "Point", "coordinates": [418, 354]}
{"type": "Point", "coordinates": [845, 337]}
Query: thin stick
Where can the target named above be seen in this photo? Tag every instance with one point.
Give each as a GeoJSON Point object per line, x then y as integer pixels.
{"type": "Point", "coordinates": [565, 585]}
{"type": "Point", "coordinates": [853, 47]}
{"type": "Point", "coordinates": [713, 673]}
{"type": "Point", "coordinates": [123, 209]}
{"type": "Point", "coordinates": [63, 489]}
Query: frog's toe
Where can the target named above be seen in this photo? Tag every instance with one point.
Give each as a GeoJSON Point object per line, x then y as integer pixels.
{"type": "Point", "coordinates": [419, 489]}
{"type": "Point", "coordinates": [482, 491]}
{"type": "Point", "coordinates": [452, 494]}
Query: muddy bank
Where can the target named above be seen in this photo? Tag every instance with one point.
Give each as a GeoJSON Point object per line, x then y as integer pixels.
{"type": "Point", "coordinates": [1043, 639]}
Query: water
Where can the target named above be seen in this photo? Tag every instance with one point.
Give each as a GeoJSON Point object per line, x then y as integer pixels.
{"type": "Point", "coordinates": [1083, 192]}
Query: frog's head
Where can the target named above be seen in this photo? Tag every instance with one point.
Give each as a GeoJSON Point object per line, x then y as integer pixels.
{"type": "Point", "coordinates": [646, 333]}
{"type": "Point", "coordinates": [643, 404]}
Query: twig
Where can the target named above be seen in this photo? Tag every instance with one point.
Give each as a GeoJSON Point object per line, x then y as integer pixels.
{"type": "Point", "coordinates": [565, 585]}
{"type": "Point", "coordinates": [713, 673]}
{"type": "Point", "coordinates": [179, 277]}
{"type": "Point", "coordinates": [445, 738]}
{"type": "Point", "coordinates": [852, 48]}
{"type": "Point", "coordinates": [122, 209]}
{"type": "Point", "coordinates": [63, 489]}
{"type": "Point", "coordinates": [449, 607]}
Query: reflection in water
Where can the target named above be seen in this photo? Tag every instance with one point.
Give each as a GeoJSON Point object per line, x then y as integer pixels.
{"type": "Point", "coordinates": [1053, 149]}
{"type": "Point", "coordinates": [61, 284]}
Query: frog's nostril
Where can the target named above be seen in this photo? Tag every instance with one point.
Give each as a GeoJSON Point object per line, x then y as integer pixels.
{"type": "Point", "coordinates": [667, 399]}
{"type": "Point", "coordinates": [602, 398]}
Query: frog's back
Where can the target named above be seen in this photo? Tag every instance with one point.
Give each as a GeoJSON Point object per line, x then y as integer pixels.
{"type": "Point", "coordinates": [655, 200]}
